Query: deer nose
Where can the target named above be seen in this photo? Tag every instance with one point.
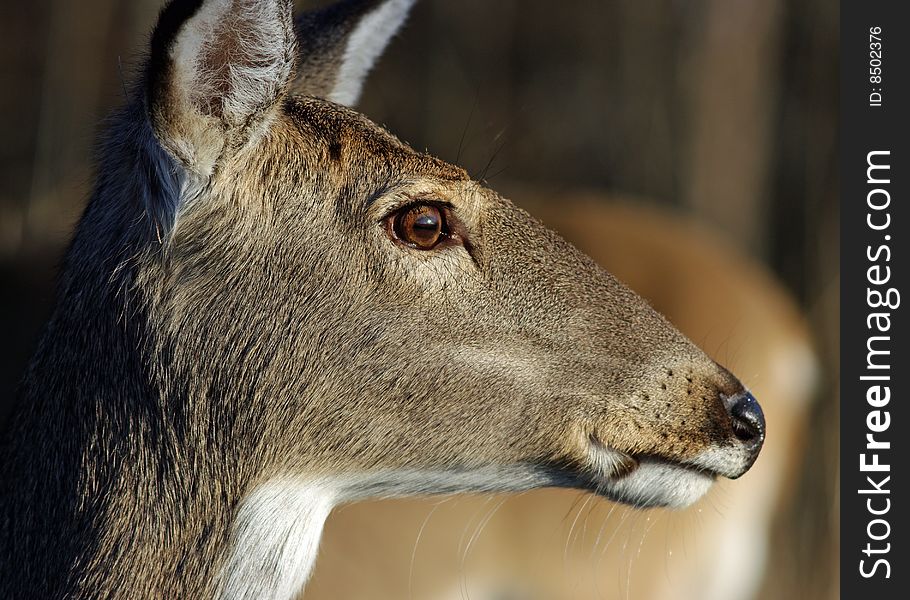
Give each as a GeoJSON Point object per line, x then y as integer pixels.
{"type": "Point", "coordinates": [748, 419]}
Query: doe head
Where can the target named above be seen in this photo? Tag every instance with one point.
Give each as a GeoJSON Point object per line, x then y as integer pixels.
{"type": "Point", "coordinates": [349, 310]}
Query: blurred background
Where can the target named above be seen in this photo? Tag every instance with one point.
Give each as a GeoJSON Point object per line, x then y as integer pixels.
{"type": "Point", "coordinates": [718, 111]}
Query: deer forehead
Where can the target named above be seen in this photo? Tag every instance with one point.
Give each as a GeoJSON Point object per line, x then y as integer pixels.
{"type": "Point", "coordinates": [345, 138]}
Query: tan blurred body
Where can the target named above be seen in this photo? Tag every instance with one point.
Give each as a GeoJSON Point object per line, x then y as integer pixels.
{"type": "Point", "coordinates": [559, 544]}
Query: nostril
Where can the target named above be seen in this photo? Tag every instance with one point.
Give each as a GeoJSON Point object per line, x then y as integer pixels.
{"type": "Point", "coordinates": [748, 418]}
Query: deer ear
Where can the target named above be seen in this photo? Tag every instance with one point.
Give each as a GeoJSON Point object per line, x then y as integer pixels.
{"type": "Point", "coordinates": [340, 44]}
{"type": "Point", "coordinates": [216, 72]}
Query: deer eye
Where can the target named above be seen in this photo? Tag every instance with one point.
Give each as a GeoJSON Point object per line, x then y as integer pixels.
{"type": "Point", "coordinates": [420, 226]}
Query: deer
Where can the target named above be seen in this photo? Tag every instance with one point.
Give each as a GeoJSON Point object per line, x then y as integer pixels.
{"type": "Point", "coordinates": [271, 307]}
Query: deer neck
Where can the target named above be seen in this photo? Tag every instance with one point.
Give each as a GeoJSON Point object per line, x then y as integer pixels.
{"type": "Point", "coordinates": [110, 488]}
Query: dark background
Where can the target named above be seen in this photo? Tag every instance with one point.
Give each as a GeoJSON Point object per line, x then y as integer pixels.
{"type": "Point", "coordinates": [723, 109]}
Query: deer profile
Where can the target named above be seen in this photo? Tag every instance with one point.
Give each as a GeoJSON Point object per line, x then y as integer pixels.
{"type": "Point", "coordinates": [272, 307]}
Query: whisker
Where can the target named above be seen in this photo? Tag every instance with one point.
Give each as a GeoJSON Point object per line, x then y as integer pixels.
{"type": "Point", "coordinates": [416, 543]}
{"type": "Point", "coordinates": [624, 587]}
{"type": "Point", "coordinates": [480, 528]}
{"type": "Point", "coordinates": [565, 552]}
{"type": "Point", "coordinates": [626, 511]}
{"type": "Point", "coordinates": [637, 556]}
{"type": "Point", "coordinates": [464, 132]}
{"type": "Point", "coordinates": [465, 542]}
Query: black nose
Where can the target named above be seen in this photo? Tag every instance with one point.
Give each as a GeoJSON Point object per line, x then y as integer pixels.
{"type": "Point", "coordinates": [748, 419]}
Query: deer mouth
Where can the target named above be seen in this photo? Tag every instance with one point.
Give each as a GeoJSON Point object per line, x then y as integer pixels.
{"type": "Point", "coordinates": [644, 480]}
{"type": "Point", "coordinates": [609, 463]}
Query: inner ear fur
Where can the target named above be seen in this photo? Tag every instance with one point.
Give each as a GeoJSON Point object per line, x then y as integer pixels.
{"type": "Point", "coordinates": [216, 71]}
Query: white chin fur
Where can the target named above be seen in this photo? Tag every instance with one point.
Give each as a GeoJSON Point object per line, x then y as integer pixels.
{"type": "Point", "coordinates": [729, 462]}
{"type": "Point", "coordinates": [656, 483]}
{"type": "Point", "coordinates": [652, 483]}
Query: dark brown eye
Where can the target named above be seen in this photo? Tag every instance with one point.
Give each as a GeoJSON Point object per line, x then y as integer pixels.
{"type": "Point", "coordinates": [422, 226]}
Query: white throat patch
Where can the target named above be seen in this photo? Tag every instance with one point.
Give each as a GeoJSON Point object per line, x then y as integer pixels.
{"type": "Point", "coordinates": [276, 533]}
{"type": "Point", "coordinates": [275, 540]}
